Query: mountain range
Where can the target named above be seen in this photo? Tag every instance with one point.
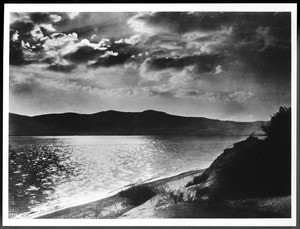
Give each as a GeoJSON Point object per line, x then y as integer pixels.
{"type": "Point", "coordinates": [148, 122]}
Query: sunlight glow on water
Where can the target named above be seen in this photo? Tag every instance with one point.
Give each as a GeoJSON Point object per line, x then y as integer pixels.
{"type": "Point", "coordinates": [48, 173]}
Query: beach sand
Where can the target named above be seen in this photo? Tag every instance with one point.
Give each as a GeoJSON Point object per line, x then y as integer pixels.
{"type": "Point", "coordinates": [116, 205]}
{"type": "Point", "coordinates": [162, 206]}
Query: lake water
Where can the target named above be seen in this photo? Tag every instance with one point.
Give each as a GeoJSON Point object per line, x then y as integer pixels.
{"type": "Point", "coordinates": [49, 173]}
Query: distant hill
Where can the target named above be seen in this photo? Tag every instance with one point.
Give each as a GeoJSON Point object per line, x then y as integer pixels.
{"type": "Point", "coordinates": [148, 122]}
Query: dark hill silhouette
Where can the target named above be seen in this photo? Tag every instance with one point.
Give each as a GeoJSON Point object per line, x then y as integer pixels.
{"type": "Point", "coordinates": [148, 122]}
{"type": "Point", "coordinates": [253, 167]}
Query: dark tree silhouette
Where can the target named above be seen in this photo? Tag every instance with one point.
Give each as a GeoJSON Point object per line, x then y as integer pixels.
{"type": "Point", "coordinates": [278, 142]}
{"type": "Point", "coordinates": [278, 129]}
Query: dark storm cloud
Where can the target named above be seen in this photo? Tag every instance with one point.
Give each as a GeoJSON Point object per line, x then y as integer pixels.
{"type": "Point", "coordinates": [53, 37]}
{"type": "Point", "coordinates": [61, 68]}
{"type": "Point", "coordinates": [22, 32]}
{"type": "Point", "coordinates": [27, 22]}
{"type": "Point", "coordinates": [124, 48]}
{"type": "Point", "coordinates": [155, 92]}
{"type": "Point", "coordinates": [114, 54]}
{"type": "Point", "coordinates": [252, 33]}
{"type": "Point", "coordinates": [103, 25]}
{"type": "Point", "coordinates": [163, 44]}
{"type": "Point", "coordinates": [204, 63]}
{"type": "Point", "coordinates": [182, 22]}
{"type": "Point", "coordinates": [23, 28]}
{"type": "Point", "coordinates": [260, 41]}
{"type": "Point", "coordinates": [45, 31]}
{"type": "Point", "coordinates": [84, 54]}
{"type": "Point", "coordinates": [16, 55]}
{"type": "Point", "coordinates": [270, 63]}
{"type": "Point", "coordinates": [57, 18]}
{"type": "Point", "coordinates": [255, 44]}
{"type": "Point", "coordinates": [40, 17]}
{"type": "Point", "coordinates": [111, 60]}
{"type": "Point", "coordinates": [82, 32]}
{"type": "Point", "coordinates": [194, 93]}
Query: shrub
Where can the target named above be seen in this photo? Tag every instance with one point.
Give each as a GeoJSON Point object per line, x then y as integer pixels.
{"type": "Point", "coordinates": [176, 196]}
{"type": "Point", "coordinates": [278, 142]}
{"type": "Point", "coordinates": [279, 127]}
{"type": "Point", "coordinates": [138, 194]}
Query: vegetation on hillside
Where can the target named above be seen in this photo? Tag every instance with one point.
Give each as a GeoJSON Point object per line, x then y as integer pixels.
{"type": "Point", "coordinates": [279, 127]}
{"type": "Point", "coordinates": [254, 167]}
{"type": "Point", "coordinates": [138, 194]}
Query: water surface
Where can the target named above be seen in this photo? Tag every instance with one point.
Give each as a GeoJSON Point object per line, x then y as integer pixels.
{"type": "Point", "coordinates": [48, 173]}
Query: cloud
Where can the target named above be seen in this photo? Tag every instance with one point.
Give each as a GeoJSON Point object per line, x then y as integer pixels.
{"type": "Point", "coordinates": [38, 93]}
{"type": "Point", "coordinates": [209, 41]}
{"type": "Point", "coordinates": [55, 18]}
{"type": "Point", "coordinates": [22, 84]}
{"type": "Point", "coordinates": [183, 93]}
{"type": "Point", "coordinates": [16, 55]}
{"type": "Point", "coordinates": [102, 24]}
{"type": "Point", "coordinates": [82, 54]}
{"type": "Point", "coordinates": [218, 69]}
{"type": "Point", "coordinates": [161, 91]}
{"type": "Point", "coordinates": [37, 33]}
{"type": "Point", "coordinates": [15, 35]}
{"type": "Point", "coordinates": [93, 36]}
{"type": "Point", "coordinates": [139, 23]}
{"type": "Point", "coordinates": [111, 59]}
{"type": "Point", "coordinates": [133, 39]}
{"type": "Point", "coordinates": [204, 63]}
{"type": "Point", "coordinates": [240, 96]}
{"type": "Point", "coordinates": [249, 37]}
{"type": "Point", "coordinates": [32, 81]}
{"type": "Point", "coordinates": [61, 68]}
{"type": "Point", "coordinates": [179, 22]}
{"type": "Point", "coordinates": [23, 28]}
{"type": "Point", "coordinates": [48, 27]}
{"type": "Point", "coordinates": [72, 15]}
{"type": "Point", "coordinates": [50, 46]}
{"type": "Point", "coordinates": [39, 18]}
{"type": "Point", "coordinates": [183, 78]}
{"type": "Point", "coordinates": [60, 46]}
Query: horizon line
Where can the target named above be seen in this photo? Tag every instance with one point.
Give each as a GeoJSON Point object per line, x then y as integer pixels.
{"type": "Point", "coordinates": [159, 111]}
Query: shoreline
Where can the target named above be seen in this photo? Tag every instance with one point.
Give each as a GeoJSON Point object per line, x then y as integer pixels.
{"type": "Point", "coordinates": [160, 206]}
{"type": "Point", "coordinates": [114, 204]}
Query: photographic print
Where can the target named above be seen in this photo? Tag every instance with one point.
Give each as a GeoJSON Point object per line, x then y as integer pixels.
{"type": "Point", "coordinates": [150, 114]}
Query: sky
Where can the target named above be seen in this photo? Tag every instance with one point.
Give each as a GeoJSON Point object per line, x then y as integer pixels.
{"type": "Point", "coordinates": [221, 65]}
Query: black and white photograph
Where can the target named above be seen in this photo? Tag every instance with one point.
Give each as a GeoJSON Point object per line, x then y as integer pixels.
{"type": "Point", "coordinates": [128, 114]}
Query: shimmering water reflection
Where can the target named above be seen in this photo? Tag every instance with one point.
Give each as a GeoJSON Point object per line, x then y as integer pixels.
{"type": "Point", "coordinates": [48, 173]}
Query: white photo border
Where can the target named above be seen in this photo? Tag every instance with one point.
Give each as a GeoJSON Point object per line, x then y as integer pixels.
{"type": "Point", "coordinates": [8, 8]}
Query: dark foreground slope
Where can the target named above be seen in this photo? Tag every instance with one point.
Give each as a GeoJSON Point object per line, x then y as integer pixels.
{"type": "Point", "coordinates": [249, 169]}
{"type": "Point", "coordinates": [123, 123]}
{"type": "Point", "coordinates": [252, 168]}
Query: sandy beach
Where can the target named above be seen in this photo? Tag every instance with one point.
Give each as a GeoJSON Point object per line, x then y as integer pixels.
{"type": "Point", "coordinates": [163, 206]}
{"type": "Point", "coordinates": [115, 205]}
